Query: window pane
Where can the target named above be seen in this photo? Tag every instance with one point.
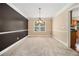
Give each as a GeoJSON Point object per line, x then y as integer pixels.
{"type": "Point", "coordinates": [39, 27]}
{"type": "Point", "coordinates": [36, 24]}
{"type": "Point", "coordinates": [78, 26]}
{"type": "Point", "coordinates": [42, 28]}
{"type": "Point", "coordinates": [36, 28]}
{"type": "Point", "coordinates": [42, 24]}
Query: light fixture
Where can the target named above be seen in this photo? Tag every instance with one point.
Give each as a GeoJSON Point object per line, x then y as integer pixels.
{"type": "Point", "coordinates": [39, 21]}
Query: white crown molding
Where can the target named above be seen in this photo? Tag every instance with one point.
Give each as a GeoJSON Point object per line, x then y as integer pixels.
{"type": "Point", "coordinates": [64, 8]}
{"type": "Point", "coordinates": [16, 9]}
{"type": "Point", "coordinates": [74, 7]}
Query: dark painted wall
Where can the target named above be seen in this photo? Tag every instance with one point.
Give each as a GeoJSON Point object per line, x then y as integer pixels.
{"type": "Point", "coordinates": [10, 20]}
{"type": "Point", "coordinates": [8, 39]}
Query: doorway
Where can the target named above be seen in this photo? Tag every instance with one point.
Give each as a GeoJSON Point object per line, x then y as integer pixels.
{"type": "Point", "coordinates": [74, 29]}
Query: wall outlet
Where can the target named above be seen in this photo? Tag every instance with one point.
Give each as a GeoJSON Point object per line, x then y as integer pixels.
{"type": "Point", "coordinates": [17, 38]}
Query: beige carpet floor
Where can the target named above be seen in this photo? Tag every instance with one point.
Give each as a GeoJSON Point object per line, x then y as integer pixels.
{"type": "Point", "coordinates": [40, 46]}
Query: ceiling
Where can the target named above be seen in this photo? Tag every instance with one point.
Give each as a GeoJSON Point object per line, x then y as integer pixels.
{"type": "Point", "coordinates": [47, 9]}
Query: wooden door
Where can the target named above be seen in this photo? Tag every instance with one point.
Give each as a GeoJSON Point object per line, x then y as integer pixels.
{"type": "Point", "coordinates": [73, 32]}
{"type": "Point", "coordinates": [73, 39]}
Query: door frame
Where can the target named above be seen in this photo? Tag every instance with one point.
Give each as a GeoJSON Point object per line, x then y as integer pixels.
{"type": "Point", "coordinates": [69, 23]}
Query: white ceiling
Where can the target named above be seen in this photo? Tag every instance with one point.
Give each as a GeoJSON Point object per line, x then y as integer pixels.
{"type": "Point", "coordinates": [47, 9]}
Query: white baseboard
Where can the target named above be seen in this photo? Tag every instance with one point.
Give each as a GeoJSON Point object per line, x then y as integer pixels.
{"type": "Point", "coordinates": [61, 41]}
{"type": "Point", "coordinates": [39, 35]}
{"type": "Point", "coordinates": [16, 43]}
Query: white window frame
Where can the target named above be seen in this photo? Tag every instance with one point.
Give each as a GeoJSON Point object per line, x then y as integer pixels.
{"type": "Point", "coordinates": [40, 29]}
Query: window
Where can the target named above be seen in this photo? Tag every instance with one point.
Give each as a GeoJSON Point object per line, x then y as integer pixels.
{"type": "Point", "coordinates": [39, 27]}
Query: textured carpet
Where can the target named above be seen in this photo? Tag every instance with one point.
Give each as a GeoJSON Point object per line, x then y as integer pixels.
{"type": "Point", "coordinates": [40, 46]}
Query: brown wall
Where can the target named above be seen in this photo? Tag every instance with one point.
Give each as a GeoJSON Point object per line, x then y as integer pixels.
{"type": "Point", "coordinates": [10, 20]}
